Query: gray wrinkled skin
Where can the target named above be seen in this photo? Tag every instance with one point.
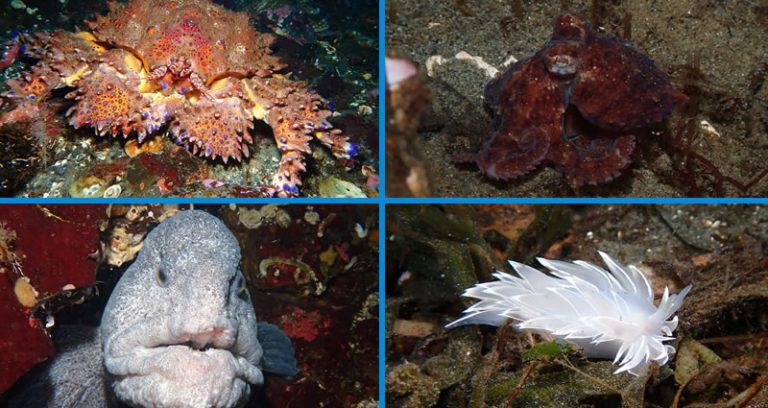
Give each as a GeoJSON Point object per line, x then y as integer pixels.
{"type": "Point", "coordinates": [179, 329]}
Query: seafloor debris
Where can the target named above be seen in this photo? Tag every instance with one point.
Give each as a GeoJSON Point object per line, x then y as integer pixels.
{"type": "Point", "coordinates": [407, 99]}
{"type": "Point", "coordinates": [45, 251]}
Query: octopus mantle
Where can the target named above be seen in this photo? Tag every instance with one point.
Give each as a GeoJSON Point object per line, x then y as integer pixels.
{"type": "Point", "coordinates": [190, 65]}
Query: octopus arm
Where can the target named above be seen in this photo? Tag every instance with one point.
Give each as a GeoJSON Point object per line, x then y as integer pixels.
{"type": "Point", "coordinates": [530, 106]}
{"type": "Point", "coordinates": [619, 88]}
{"type": "Point", "coordinates": [590, 155]}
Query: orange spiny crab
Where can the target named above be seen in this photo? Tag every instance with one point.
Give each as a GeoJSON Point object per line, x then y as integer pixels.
{"type": "Point", "coordinates": [191, 65]}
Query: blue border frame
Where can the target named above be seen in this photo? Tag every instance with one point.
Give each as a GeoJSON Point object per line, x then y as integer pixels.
{"type": "Point", "coordinates": [190, 200]}
{"type": "Point", "coordinates": [579, 200]}
{"type": "Point", "coordinates": [382, 201]}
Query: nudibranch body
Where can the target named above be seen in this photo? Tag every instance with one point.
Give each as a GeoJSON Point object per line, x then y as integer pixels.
{"type": "Point", "coordinates": [609, 314]}
{"type": "Point", "coordinates": [192, 66]}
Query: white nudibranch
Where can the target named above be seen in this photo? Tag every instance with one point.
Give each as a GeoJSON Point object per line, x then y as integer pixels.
{"type": "Point", "coordinates": [607, 314]}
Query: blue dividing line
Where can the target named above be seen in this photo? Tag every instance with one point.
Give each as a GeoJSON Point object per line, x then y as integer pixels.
{"type": "Point", "coordinates": [190, 200]}
{"type": "Point", "coordinates": [382, 307]}
{"type": "Point", "coordinates": [580, 200]}
{"type": "Point", "coordinates": [382, 200]}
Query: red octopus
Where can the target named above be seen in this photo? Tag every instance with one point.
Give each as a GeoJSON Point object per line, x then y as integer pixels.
{"type": "Point", "coordinates": [575, 105]}
{"type": "Point", "coordinates": [189, 65]}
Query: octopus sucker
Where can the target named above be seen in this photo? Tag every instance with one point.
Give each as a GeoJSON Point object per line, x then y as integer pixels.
{"type": "Point", "coordinates": [576, 105]}
{"type": "Point", "coordinates": [197, 69]}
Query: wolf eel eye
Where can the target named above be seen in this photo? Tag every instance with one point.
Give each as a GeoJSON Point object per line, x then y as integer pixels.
{"type": "Point", "coordinates": [241, 287]}
{"type": "Point", "coordinates": [162, 277]}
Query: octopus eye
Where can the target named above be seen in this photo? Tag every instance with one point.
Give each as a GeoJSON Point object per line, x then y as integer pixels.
{"type": "Point", "coordinates": [562, 59]}
{"type": "Point", "coordinates": [562, 65]}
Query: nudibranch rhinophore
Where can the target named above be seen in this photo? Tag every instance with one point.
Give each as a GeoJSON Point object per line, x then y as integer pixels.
{"type": "Point", "coordinates": [190, 66]}
{"type": "Point", "coordinates": [607, 314]}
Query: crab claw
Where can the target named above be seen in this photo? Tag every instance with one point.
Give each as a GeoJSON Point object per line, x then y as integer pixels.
{"type": "Point", "coordinates": [215, 129]}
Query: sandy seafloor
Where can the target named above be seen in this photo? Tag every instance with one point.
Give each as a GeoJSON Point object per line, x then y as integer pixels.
{"type": "Point", "coordinates": [728, 38]}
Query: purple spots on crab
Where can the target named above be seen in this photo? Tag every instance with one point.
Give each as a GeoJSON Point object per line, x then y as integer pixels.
{"type": "Point", "coordinates": [282, 140]}
{"type": "Point", "coordinates": [290, 188]}
{"type": "Point", "coordinates": [331, 106]}
{"type": "Point", "coordinates": [208, 151]}
{"type": "Point", "coordinates": [324, 126]}
{"type": "Point", "coordinates": [145, 114]}
{"type": "Point", "coordinates": [351, 149]}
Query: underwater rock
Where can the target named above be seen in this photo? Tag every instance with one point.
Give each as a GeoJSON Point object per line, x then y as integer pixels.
{"type": "Point", "coordinates": [46, 266]}
{"type": "Point", "coordinates": [336, 187]}
{"type": "Point", "coordinates": [408, 387]}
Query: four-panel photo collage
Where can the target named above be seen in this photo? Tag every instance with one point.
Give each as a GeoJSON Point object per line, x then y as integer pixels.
{"type": "Point", "coordinates": [383, 203]}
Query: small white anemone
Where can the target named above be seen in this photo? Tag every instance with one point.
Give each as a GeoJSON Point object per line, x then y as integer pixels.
{"type": "Point", "coordinates": [607, 314]}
